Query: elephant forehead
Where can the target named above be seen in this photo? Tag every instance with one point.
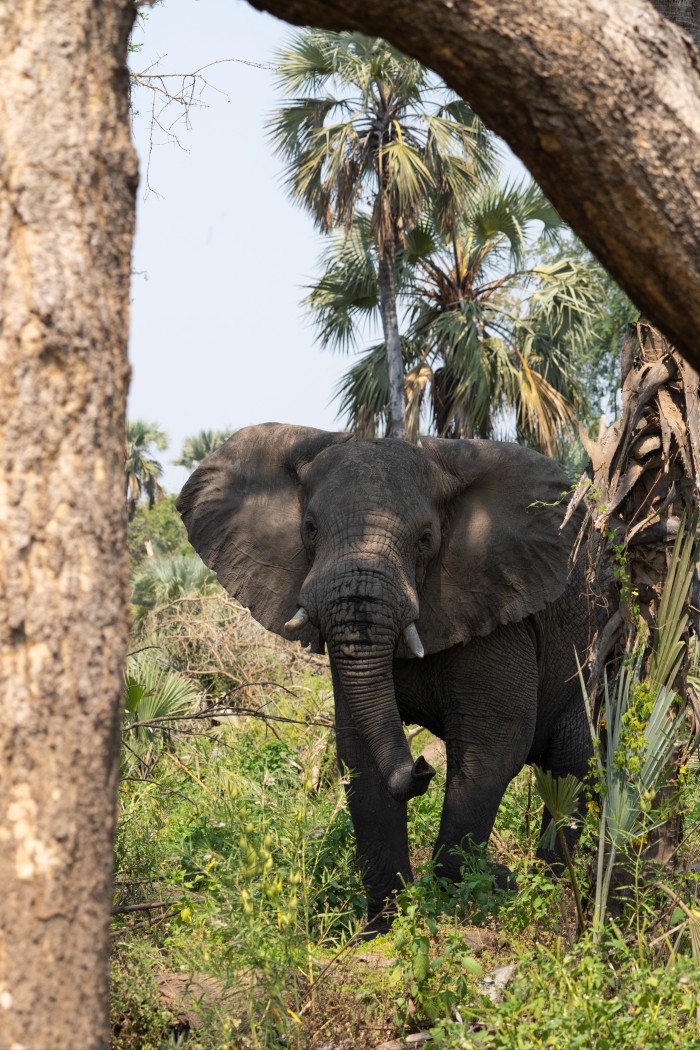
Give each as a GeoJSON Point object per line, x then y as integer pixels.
{"type": "Point", "coordinates": [379, 468]}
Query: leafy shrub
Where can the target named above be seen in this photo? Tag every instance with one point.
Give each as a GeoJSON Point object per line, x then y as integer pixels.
{"type": "Point", "coordinates": [579, 999]}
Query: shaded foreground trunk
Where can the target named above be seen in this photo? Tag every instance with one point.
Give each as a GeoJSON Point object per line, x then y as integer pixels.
{"type": "Point", "coordinates": [68, 176]}
{"type": "Point", "coordinates": [601, 100]}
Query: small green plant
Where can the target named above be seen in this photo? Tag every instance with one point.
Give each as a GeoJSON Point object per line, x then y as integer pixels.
{"type": "Point", "coordinates": [429, 976]}
{"type": "Point", "coordinates": [433, 962]}
{"type": "Point", "coordinates": [139, 1019]}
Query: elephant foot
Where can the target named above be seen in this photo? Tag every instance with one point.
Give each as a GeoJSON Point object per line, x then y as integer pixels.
{"type": "Point", "coordinates": [375, 928]}
{"type": "Point", "coordinates": [503, 877]}
{"type": "Point", "coordinates": [452, 866]}
{"type": "Point", "coordinates": [379, 919]}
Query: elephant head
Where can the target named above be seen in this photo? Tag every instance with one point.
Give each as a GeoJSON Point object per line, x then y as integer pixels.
{"type": "Point", "coordinates": [381, 549]}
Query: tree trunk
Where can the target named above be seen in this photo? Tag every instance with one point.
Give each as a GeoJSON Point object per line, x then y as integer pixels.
{"type": "Point", "coordinates": [646, 476]}
{"type": "Point", "coordinates": [68, 174]}
{"type": "Point", "coordinates": [386, 279]}
{"type": "Point", "coordinates": [601, 100]}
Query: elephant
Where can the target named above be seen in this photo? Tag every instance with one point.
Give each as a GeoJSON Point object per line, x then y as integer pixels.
{"type": "Point", "coordinates": [438, 577]}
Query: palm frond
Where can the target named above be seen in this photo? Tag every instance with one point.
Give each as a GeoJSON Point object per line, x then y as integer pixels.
{"type": "Point", "coordinates": [347, 291]}
{"type": "Point", "coordinates": [565, 300]}
{"type": "Point", "coordinates": [363, 391]}
{"type": "Point", "coordinates": [292, 126]}
{"type": "Point", "coordinates": [152, 694]}
{"type": "Point", "coordinates": [409, 179]}
{"type": "Point", "coordinates": [422, 240]}
{"type": "Point", "coordinates": [669, 644]}
{"type": "Point", "coordinates": [168, 577]}
{"type": "Point", "coordinates": [467, 389]}
{"type": "Point", "coordinates": [198, 447]}
{"type": "Point", "coordinates": [560, 795]}
{"type": "Point", "coordinates": [346, 295]}
{"type": "Point", "coordinates": [141, 434]}
{"type": "Point", "coordinates": [307, 62]}
{"type": "Point", "coordinates": [543, 413]}
{"type": "Point", "coordinates": [481, 143]}
{"type": "Point", "coordinates": [495, 217]}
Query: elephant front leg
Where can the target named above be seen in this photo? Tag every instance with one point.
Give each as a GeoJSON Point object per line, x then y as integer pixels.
{"type": "Point", "coordinates": [380, 822]}
{"type": "Point", "coordinates": [468, 816]}
{"type": "Point", "coordinates": [489, 726]}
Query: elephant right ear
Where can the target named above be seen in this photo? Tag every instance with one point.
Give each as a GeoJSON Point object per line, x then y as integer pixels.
{"type": "Point", "coordinates": [242, 509]}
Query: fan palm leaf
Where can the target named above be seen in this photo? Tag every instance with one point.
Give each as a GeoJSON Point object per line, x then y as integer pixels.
{"type": "Point", "coordinates": [156, 695]}
{"type": "Point", "coordinates": [168, 577]}
{"type": "Point", "coordinates": [199, 446]}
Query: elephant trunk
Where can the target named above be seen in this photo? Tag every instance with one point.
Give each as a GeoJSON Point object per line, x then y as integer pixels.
{"type": "Point", "coordinates": [367, 683]}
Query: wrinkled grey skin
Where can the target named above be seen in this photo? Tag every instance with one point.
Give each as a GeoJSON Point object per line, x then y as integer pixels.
{"type": "Point", "coordinates": [460, 538]}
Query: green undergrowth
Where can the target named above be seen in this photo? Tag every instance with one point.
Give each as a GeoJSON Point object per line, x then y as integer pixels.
{"type": "Point", "coordinates": [237, 900]}
{"type": "Point", "coordinates": [240, 843]}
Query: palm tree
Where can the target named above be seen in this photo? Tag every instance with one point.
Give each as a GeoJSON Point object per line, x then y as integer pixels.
{"type": "Point", "coordinates": [369, 124]}
{"type": "Point", "coordinates": [141, 469]}
{"type": "Point", "coordinates": [198, 447]}
{"type": "Point", "coordinates": [492, 330]}
{"type": "Point", "coordinates": [168, 577]}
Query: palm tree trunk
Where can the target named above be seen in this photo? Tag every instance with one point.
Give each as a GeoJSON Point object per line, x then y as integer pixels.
{"type": "Point", "coordinates": [390, 324]}
{"type": "Point", "coordinates": [646, 472]}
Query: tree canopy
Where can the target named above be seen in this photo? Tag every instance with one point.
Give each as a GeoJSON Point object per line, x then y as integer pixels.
{"type": "Point", "coordinates": [492, 326]}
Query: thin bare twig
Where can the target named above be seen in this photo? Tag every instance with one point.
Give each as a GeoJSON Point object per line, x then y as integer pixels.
{"type": "Point", "coordinates": [126, 909]}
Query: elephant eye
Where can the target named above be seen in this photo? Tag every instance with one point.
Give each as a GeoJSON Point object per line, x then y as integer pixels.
{"type": "Point", "coordinates": [426, 540]}
{"type": "Point", "coordinates": [310, 530]}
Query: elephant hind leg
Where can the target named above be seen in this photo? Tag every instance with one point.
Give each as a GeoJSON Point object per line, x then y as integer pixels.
{"type": "Point", "coordinates": [569, 751]}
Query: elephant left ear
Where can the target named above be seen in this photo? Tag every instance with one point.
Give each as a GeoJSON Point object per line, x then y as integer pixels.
{"type": "Point", "coordinates": [503, 555]}
{"type": "Point", "coordinates": [242, 508]}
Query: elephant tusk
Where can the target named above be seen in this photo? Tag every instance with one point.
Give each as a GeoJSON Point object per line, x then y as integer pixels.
{"type": "Point", "coordinates": [412, 639]}
{"type": "Point", "coordinates": [299, 620]}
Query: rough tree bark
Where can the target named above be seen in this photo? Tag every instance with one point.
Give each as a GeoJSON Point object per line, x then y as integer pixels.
{"type": "Point", "coordinates": [601, 100]}
{"type": "Point", "coordinates": [68, 175]}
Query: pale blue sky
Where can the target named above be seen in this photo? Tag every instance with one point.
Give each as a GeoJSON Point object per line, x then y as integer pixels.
{"type": "Point", "coordinates": [221, 256]}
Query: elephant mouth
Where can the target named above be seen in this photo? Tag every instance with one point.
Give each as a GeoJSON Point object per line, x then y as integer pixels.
{"type": "Point", "coordinates": [410, 632]}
